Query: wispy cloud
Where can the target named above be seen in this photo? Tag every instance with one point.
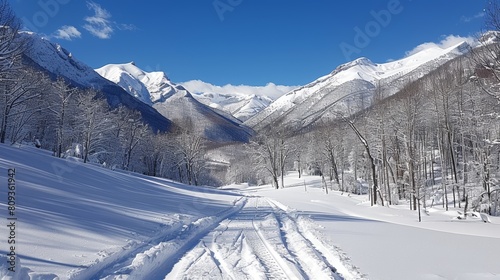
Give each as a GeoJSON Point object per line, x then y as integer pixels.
{"type": "Point", "coordinates": [126, 26]}
{"type": "Point", "coordinates": [99, 24]}
{"type": "Point", "coordinates": [471, 18]}
{"type": "Point", "coordinates": [67, 33]}
{"type": "Point", "coordinates": [446, 42]}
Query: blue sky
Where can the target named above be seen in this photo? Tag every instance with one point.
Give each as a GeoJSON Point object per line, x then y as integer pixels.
{"type": "Point", "coordinates": [251, 42]}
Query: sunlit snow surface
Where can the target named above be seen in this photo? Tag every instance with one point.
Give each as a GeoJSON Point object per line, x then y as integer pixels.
{"type": "Point", "coordinates": [81, 221]}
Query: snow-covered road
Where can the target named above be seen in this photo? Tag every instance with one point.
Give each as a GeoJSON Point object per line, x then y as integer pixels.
{"type": "Point", "coordinates": [258, 238]}
{"type": "Point", "coordinates": [262, 241]}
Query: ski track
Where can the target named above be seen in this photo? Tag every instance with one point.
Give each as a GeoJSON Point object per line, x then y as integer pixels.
{"type": "Point", "coordinates": [257, 238]}
{"type": "Point", "coordinates": [308, 242]}
{"type": "Point", "coordinates": [150, 259]}
{"type": "Point", "coordinates": [264, 240]}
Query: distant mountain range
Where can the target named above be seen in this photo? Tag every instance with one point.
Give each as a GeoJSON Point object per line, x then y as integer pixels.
{"type": "Point", "coordinates": [162, 104]}
{"type": "Point", "coordinates": [241, 101]}
{"type": "Point", "coordinates": [176, 103]}
{"type": "Point", "coordinates": [56, 61]}
{"type": "Point", "coordinates": [227, 114]}
{"type": "Point", "coordinates": [349, 87]}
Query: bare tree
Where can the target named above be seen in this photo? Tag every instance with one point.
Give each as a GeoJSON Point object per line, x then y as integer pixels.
{"type": "Point", "coordinates": [12, 44]}
{"type": "Point", "coordinates": [330, 151]}
{"type": "Point", "coordinates": [188, 148]}
{"type": "Point", "coordinates": [61, 104]}
{"type": "Point", "coordinates": [373, 167]}
{"type": "Point", "coordinates": [94, 123]}
{"type": "Point", "coordinates": [272, 150]}
{"type": "Point", "coordinates": [17, 89]}
{"type": "Point", "coordinates": [155, 155]}
{"type": "Point", "coordinates": [132, 132]}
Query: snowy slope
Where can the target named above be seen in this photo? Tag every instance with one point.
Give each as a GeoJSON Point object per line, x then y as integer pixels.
{"type": "Point", "coordinates": [56, 61]}
{"type": "Point", "coordinates": [76, 220]}
{"type": "Point", "coordinates": [181, 106]}
{"type": "Point", "coordinates": [79, 221]}
{"type": "Point", "coordinates": [240, 106]}
{"type": "Point", "coordinates": [127, 76]}
{"type": "Point", "coordinates": [152, 87]}
{"type": "Point", "coordinates": [149, 87]}
{"type": "Point", "coordinates": [175, 102]}
{"type": "Point", "coordinates": [359, 78]}
{"type": "Point", "coordinates": [60, 62]}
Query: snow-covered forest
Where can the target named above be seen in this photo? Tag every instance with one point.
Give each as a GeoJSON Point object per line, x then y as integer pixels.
{"type": "Point", "coordinates": [436, 136]}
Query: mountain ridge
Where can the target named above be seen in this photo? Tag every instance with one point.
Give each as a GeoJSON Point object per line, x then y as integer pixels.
{"type": "Point", "coordinates": [175, 103]}
{"type": "Point", "coordinates": [309, 103]}
{"type": "Point", "coordinates": [56, 61]}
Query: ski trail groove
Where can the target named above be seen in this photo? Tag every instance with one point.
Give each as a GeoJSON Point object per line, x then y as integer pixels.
{"type": "Point", "coordinates": [272, 261]}
{"type": "Point", "coordinates": [329, 254]}
{"type": "Point", "coordinates": [154, 258]}
{"type": "Point", "coordinates": [309, 258]}
{"type": "Point", "coordinates": [264, 240]}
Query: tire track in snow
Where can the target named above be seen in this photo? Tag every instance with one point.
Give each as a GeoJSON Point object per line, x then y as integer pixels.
{"type": "Point", "coordinates": [282, 258]}
{"type": "Point", "coordinates": [154, 259]}
{"type": "Point", "coordinates": [304, 229]}
{"type": "Point", "coordinates": [248, 247]}
{"type": "Point", "coordinates": [271, 260]}
{"type": "Point", "coordinates": [264, 240]}
{"type": "Point", "coordinates": [315, 265]}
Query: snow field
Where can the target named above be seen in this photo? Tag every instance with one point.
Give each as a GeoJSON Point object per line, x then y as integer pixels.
{"type": "Point", "coordinates": [78, 221]}
{"type": "Point", "coordinates": [385, 243]}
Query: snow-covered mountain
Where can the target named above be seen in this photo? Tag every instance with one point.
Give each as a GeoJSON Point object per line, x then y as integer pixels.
{"type": "Point", "coordinates": [351, 86]}
{"type": "Point", "coordinates": [149, 87]}
{"type": "Point", "coordinates": [240, 106]}
{"type": "Point", "coordinates": [241, 101]}
{"type": "Point", "coordinates": [175, 102]}
{"type": "Point", "coordinates": [56, 61]}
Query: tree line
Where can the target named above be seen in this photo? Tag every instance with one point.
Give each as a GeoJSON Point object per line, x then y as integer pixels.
{"type": "Point", "coordinates": [436, 141]}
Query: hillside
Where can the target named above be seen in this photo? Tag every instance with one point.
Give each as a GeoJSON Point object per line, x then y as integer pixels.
{"type": "Point", "coordinates": [176, 103]}
{"type": "Point", "coordinates": [56, 61]}
{"type": "Point", "coordinates": [75, 219]}
{"type": "Point", "coordinates": [351, 86]}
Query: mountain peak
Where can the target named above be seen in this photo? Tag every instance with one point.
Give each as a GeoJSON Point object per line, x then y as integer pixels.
{"type": "Point", "coordinates": [149, 87]}
{"type": "Point", "coordinates": [362, 61]}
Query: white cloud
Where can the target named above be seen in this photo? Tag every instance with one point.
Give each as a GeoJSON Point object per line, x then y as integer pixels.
{"type": "Point", "coordinates": [126, 26]}
{"type": "Point", "coordinates": [99, 24]}
{"type": "Point", "coordinates": [476, 16]}
{"type": "Point", "coordinates": [270, 90]}
{"type": "Point", "coordinates": [448, 41]}
{"type": "Point", "coordinates": [67, 33]}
